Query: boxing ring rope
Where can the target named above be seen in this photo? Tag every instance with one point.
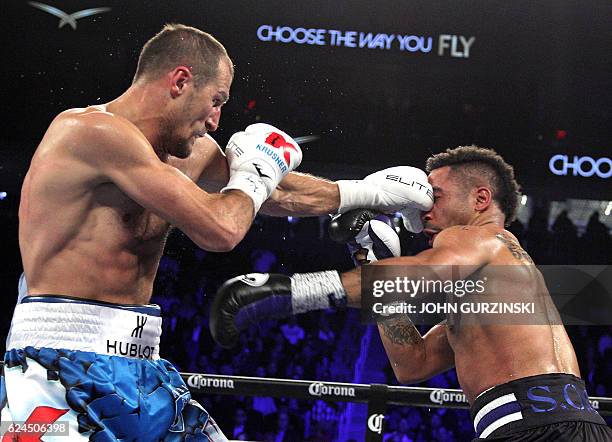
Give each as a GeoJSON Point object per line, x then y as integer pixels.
{"type": "Point", "coordinates": [377, 396]}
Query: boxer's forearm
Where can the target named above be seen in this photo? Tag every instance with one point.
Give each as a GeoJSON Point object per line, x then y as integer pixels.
{"type": "Point", "coordinates": [303, 195]}
{"type": "Point", "coordinates": [414, 358]}
{"type": "Point", "coordinates": [351, 281]}
{"type": "Point", "coordinates": [403, 344]}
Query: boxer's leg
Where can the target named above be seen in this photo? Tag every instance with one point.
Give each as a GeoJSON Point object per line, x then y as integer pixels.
{"type": "Point", "coordinates": [191, 419]}
{"type": "Point", "coordinates": [34, 397]}
{"type": "Point", "coordinates": [197, 423]}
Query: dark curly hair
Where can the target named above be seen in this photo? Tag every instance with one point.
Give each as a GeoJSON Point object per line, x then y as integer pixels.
{"type": "Point", "coordinates": [477, 164]}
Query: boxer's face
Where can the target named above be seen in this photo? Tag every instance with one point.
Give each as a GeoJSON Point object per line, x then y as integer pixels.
{"type": "Point", "coordinates": [196, 112]}
{"type": "Point", "coordinates": [451, 202]}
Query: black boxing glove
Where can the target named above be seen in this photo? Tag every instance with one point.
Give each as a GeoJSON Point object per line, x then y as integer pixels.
{"type": "Point", "coordinates": [370, 235]}
{"type": "Point", "coordinates": [248, 299]}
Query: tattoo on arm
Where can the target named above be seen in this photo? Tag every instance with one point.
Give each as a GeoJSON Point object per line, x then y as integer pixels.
{"type": "Point", "coordinates": [400, 330]}
{"type": "Point", "coordinates": [517, 251]}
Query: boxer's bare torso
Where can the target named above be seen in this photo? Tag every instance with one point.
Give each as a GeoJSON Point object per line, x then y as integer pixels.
{"type": "Point", "coordinates": [79, 234]}
{"type": "Point", "coordinates": [486, 355]}
{"type": "Point", "coordinates": [491, 353]}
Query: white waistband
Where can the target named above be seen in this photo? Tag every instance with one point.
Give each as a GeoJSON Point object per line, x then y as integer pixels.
{"type": "Point", "coordinates": [85, 327]}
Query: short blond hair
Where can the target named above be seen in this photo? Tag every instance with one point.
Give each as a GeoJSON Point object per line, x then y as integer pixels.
{"type": "Point", "coordinates": [177, 45]}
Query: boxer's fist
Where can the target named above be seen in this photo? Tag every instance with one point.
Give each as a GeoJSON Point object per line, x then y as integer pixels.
{"type": "Point", "coordinates": [247, 299]}
{"type": "Point", "coordinates": [284, 146]}
{"type": "Point", "coordinates": [389, 190]}
{"type": "Point", "coordinates": [259, 158]}
{"type": "Point", "coordinates": [251, 298]}
{"type": "Point", "coordinates": [402, 187]}
{"type": "Point", "coordinates": [369, 235]}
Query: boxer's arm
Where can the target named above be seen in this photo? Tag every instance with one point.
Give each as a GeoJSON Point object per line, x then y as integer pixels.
{"type": "Point", "coordinates": [117, 153]}
{"type": "Point", "coordinates": [300, 194]}
{"type": "Point", "coordinates": [402, 188]}
{"type": "Point", "coordinates": [415, 358]}
{"type": "Point", "coordinates": [250, 298]}
{"type": "Point", "coordinates": [457, 253]}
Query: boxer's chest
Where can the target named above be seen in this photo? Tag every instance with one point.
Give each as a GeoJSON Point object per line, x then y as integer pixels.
{"type": "Point", "coordinates": [143, 225]}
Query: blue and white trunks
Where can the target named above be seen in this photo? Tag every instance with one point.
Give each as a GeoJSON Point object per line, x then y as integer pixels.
{"type": "Point", "coordinates": [94, 367]}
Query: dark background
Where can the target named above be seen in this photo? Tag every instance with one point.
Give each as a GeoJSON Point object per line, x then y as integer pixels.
{"type": "Point", "coordinates": [534, 68]}
{"type": "Point", "coordinates": [538, 82]}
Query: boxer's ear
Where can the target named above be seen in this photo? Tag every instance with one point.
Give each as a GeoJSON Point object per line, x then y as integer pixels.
{"type": "Point", "coordinates": [179, 77]}
{"type": "Point", "coordinates": [484, 198]}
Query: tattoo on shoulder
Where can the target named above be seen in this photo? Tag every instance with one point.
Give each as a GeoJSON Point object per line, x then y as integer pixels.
{"type": "Point", "coordinates": [517, 251]}
{"type": "Point", "coordinates": [400, 330]}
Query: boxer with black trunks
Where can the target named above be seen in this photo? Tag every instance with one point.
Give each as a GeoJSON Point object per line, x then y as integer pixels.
{"type": "Point", "coordinates": [522, 380]}
{"type": "Point", "coordinates": [103, 188]}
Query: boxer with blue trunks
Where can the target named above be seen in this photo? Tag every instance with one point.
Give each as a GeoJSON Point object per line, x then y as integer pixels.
{"type": "Point", "coordinates": [96, 370]}
{"type": "Point", "coordinates": [103, 188]}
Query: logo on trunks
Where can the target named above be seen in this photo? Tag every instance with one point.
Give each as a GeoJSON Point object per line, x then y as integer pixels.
{"type": "Point", "coordinates": [140, 323]}
{"type": "Point", "coordinates": [442, 397]}
{"type": "Point", "coordinates": [129, 349]}
{"type": "Point", "coordinates": [201, 381]}
{"type": "Point", "coordinates": [320, 389]}
{"type": "Point", "coordinates": [68, 19]}
{"type": "Point", "coordinates": [400, 180]}
{"type": "Point", "coordinates": [181, 397]}
{"type": "Point", "coordinates": [375, 423]}
{"type": "Point", "coordinates": [571, 397]}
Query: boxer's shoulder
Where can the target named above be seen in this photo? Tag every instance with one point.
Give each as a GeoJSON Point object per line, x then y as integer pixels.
{"type": "Point", "coordinates": [477, 242]}
{"type": "Point", "coordinates": [461, 234]}
{"type": "Point", "coordinates": [94, 135]}
{"type": "Point", "coordinates": [96, 123]}
{"type": "Point", "coordinates": [76, 131]}
{"type": "Point", "coordinates": [488, 240]}
{"type": "Point", "coordinates": [470, 232]}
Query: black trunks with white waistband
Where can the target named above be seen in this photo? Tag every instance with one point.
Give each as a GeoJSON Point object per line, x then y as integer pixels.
{"type": "Point", "coordinates": [538, 408]}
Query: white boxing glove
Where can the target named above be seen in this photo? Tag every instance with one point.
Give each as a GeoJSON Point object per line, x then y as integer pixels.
{"type": "Point", "coordinates": [369, 235]}
{"type": "Point", "coordinates": [400, 188]}
{"type": "Point", "coordinates": [259, 158]}
{"type": "Point", "coordinates": [412, 219]}
{"type": "Point", "coordinates": [380, 240]}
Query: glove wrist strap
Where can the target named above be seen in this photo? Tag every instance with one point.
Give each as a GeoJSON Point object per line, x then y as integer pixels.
{"type": "Point", "coordinates": [357, 194]}
{"type": "Point", "coordinates": [316, 291]}
{"type": "Point", "coordinates": [250, 184]}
